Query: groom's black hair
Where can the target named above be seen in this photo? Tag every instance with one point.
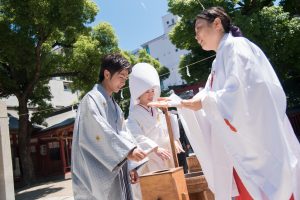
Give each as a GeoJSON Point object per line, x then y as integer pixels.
{"type": "Point", "coordinates": [114, 62]}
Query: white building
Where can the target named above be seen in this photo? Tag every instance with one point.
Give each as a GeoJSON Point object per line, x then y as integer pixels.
{"type": "Point", "coordinates": [62, 96]}
{"type": "Point", "coordinates": [61, 92]}
{"type": "Point", "coordinates": [165, 52]}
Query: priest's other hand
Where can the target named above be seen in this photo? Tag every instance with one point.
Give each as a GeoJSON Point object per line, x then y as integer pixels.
{"type": "Point", "coordinates": [163, 153]}
{"type": "Point", "coordinates": [193, 104]}
{"type": "Point", "coordinates": [134, 177]}
{"type": "Point", "coordinates": [136, 154]}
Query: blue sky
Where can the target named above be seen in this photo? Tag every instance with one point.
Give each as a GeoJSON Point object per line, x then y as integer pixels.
{"type": "Point", "coordinates": [135, 21]}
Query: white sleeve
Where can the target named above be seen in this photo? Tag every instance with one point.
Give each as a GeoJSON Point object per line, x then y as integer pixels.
{"type": "Point", "coordinates": [175, 126]}
{"type": "Point", "coordinates": [145, 143]}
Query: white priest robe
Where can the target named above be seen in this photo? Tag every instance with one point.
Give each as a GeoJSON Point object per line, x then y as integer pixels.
{"type": "Point", "coordinates": [243, 125]}
{"type": "Point", "coordinates": [100, 148]}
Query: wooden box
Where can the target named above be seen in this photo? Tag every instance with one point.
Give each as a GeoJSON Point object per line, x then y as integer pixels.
{"type": "Point", "coordinates": [164, 185]}
{"type": "Point", "coordinates": [197, 187]}
{"type": "Point", "coordinates": [193, 164]}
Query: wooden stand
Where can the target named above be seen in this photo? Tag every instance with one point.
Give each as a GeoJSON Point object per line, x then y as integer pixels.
{"type": "Point", "coordinates": [197, 187]}
{"type": "Point", "coordinates": [193, 164]}
{"type": "Point", "coordinates": [164, 185]}
{"type": "Point", "coordinates": [171, 136]}
{"type": "Point", "coordinates": [172, 184]}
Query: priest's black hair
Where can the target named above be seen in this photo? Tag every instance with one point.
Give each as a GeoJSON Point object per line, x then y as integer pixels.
{"type": "Point", "coordinates": [212, 13]}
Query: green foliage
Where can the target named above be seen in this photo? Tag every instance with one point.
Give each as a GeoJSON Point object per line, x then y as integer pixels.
{"type": "Point", "coordinates": [37, 38]}
{"type": "Point", "coordinates": [105, 35]}
{"type": "Point", "coordinates": [40, 99]}
{"type": "Point", "coordinates": [87, 53]}
{"type": "Point", "coordinates": [291, 6]}
{"type": "Point", "coordinates": [278, 35]}
{"type": "Point", "coordinates": [199, 71]}
{"type": "Point", "coordinates": [248, 7]}
{"type": "Point", "coordinates": [183, 35]}
{"type": "Point", "coordinates": [34, 35]}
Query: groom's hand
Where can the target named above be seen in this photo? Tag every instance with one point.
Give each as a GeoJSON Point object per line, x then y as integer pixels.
{"type": "Point", "coordinates": [134, 177]}
{"type": "Point", "coordinates": [136, 154]}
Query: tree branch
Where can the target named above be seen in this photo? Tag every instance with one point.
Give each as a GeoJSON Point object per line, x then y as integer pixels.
{"type": "Point", "coordinates": [3, 63]}
{"type": "Point", "coordinates": [36, 77]}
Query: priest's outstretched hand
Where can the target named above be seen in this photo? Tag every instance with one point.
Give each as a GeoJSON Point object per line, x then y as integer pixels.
{"type": "Point", "coordinates": [136, 154]}
{"type": "Point", "coordinates": [160, 102]}
{"type": "Point", "coordinates": [193, 104]}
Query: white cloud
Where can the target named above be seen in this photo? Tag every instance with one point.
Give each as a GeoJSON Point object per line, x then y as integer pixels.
{"type": "Point", "coordinates": [143, 5]}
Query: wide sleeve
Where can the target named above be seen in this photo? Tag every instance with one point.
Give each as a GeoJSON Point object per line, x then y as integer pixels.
{"type": "Point", "coordinates": [228, 96]}
{"type": "Point", "coordinates": [145, 143]}
{"type": "Point", "coordinates": [99, 140]}
{"type": "Point", "coordinates": [244, 117]}
{"type": "Point", "coordinates": [175, 126]}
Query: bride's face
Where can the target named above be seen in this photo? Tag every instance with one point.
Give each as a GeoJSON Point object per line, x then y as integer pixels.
{"type": "Point", "coordinates": [147, 97]}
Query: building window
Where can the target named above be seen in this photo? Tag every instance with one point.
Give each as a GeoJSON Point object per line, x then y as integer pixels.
{"type": "Point", "coordinates": [173, 21]}
{"type": "Point", "coordinates": [176, 50]}
{"type": "Point", "coordinates": [54, 152]}
{"type": "Point", "coordinates": [67, 86]}
{"type": "Point", "coordinates": [167, 22]}
{"type": "Point", "coordinates": [65, 78]}
{"type": "Point", "coordinates": [147, 49]}
{"type": "Point", "coordinates": [43, 150]}
{"type": "Point", "coordinates": [32, 149]}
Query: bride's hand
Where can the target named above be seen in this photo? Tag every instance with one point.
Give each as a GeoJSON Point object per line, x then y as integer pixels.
{"type": "Point", "coordinates": [163, 153]}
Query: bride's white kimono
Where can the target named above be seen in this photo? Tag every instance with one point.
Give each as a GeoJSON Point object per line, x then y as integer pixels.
{"type": "Point", "coordinates": [150, 132]}
{"type": "Point", "coordinates": [243, 125]}
{"type": "Point", "coordinates": [148, 127]}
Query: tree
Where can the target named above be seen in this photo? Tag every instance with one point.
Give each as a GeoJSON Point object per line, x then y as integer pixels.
{"type": "Point", "coordinates": [291, 6]}
{"type": "Point", "coordinates": [275, 31]}
{"type": "Point", "coordinates": [87, 53]}
{"type": "Point", "coordinates": [183, 36]}
{"type": "Point", "coordinates": [30, 31]}
{"type": "Point", "coordinates": [278, 35]}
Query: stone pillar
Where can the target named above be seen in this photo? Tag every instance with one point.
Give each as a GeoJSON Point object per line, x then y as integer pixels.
{"type": "Point", "coordinates": [6, 172]}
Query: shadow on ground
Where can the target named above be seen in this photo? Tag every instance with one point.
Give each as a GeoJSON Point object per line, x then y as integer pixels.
{"type": "Point", "coordinates": [38, 193]}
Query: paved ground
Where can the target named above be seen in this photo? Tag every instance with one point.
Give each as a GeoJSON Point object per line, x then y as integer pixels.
{"type": "Point", "coordinates": [58, 189]}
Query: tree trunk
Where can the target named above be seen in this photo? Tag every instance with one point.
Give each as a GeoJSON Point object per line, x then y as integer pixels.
{"type": "Point", "coordinates": [28, 175]}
